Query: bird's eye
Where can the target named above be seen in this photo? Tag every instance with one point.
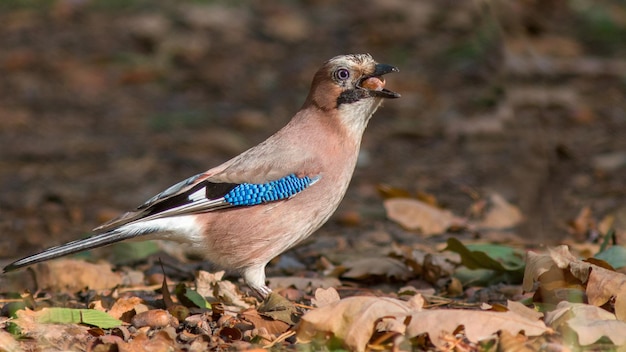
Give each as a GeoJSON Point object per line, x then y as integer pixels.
{"type": "Point", "coordinates": [342, 74]}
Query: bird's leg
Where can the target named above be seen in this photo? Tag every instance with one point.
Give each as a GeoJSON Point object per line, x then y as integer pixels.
{"type": "Point", "coordinates": [255, 278]}
{"type": "Point", "coordinates": [272, 303]}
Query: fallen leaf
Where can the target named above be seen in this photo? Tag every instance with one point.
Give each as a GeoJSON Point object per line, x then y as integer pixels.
{"type": "Point", "coordinates": [352, 319]}
{"type": "Point", "coordinates": [536, 265]}
{"type": "Point", "coordinates": [206, 281]}
{"type": "Point", "coordinates": [154, 318]}
{"type": "Point", "coordinates": [500, 214]}
{"type": "Point", "coordinates": [378, 266]}
{"type": "Point", "coordinates": [478, 324]}
{"type": "Point", "coordinates": [185, 293]}
{"type": "Point", "coordinates": [274, 327]}
{"type": "Point", "coordinates": [414, 214]}
{"type": "Point", "coordinates": [212, 285]}
{"type": "Point", "coordinates": [487, 256]}
{"type": "Point", "coordinates": [279, 308]}
{"type": "Point", "coordinates": [303, 283]}
{"type": "Point", "coordinates": [77, 316]}
{"type": "Point", "coordinates": [160, 342]}
{"type": "Point", "coordinates": [490, 262]}
{"type": "Point", "coordinates": [590, 323]}
{"type": "Point", "coordinates": [601, 284]}
{"type": "Point", "coordinates": [614, 255]}
{"type": "Point", "coordinates": [324, 297]}
{"type": "Point", "coordinates": [388, 191]}
{"type": "Point", "coordinates": [70, 275]}
{"type": "Point", "coordinates": [72, 335]}
{"type": "Point", "coordinates": [523, 310]}
{"type": "Point", "coordinates": [604, 285]}
{"type": "Point", "coordinates": [8, 343]}
{"type": "Point", "coordinates": [582, 224]}
{"type": "Point", "coordinates": [123, 307]}
{"type": "Point", "coordinates": [511, 342]}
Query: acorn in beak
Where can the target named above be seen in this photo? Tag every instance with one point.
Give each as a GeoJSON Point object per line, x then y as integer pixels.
{"type": "Point", "coordinates": [375, 83]}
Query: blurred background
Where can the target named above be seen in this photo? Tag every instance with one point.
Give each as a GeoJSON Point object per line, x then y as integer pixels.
{"type": "Point", "coordinates": [104, 103]}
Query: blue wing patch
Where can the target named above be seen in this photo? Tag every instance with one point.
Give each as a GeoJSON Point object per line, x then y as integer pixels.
{"type": "Point", "coordinates": [207, 196]}
{"type": "Point", "coordinates": [253, 194]}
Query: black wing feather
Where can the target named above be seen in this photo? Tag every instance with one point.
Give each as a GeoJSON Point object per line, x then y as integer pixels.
{"type": "Point", "coordinates": [213, 191]}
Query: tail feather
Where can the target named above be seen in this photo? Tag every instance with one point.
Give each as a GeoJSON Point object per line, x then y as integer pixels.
{"type": "Point", "coordinates": [84, 244]}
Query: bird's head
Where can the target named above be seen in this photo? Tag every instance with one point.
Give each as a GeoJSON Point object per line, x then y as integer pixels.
{"type": "Point", "coordinates": [353, 82]}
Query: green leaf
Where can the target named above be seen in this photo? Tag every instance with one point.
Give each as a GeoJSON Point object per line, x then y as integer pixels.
{"type": "Point", "coordinates": [187, 296]}
{"type": "Point", "coordinates": [488, 263]}
{"type": "Point", "coordinates": [615, 256]}
{"type": "Point", "coordinates": [197, 299]}
{"type": "Point", "coordinates": [479, 277]}
{"type": "Point", "coordinates": [78, 316]}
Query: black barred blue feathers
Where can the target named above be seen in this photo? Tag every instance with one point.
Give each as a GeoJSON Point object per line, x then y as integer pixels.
{"type": "Point", "coordinates": [253, 194]}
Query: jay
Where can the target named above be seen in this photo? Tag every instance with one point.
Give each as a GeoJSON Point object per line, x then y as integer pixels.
{"type": "Point", "coordinates": [248, 210]}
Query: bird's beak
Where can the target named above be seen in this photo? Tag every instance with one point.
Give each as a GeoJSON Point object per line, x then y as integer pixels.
{"type": "Point", "coordinates": [375, 83]}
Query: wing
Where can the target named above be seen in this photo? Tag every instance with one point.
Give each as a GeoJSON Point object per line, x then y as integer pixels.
{"type": "Point", "coordinates": [200, 194]}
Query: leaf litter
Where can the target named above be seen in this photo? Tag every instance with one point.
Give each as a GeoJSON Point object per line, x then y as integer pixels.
{"type": "Point", "coordinates": [407, 293]}
{"type": "Point", "coordinates": [213, 312]}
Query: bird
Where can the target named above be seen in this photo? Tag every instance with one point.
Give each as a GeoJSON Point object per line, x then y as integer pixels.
{"type": "Point", "coordinates": [250, 209]}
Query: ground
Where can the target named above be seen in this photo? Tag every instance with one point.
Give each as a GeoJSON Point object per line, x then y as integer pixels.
{"type": "Point", "coordinates": [106, 103]}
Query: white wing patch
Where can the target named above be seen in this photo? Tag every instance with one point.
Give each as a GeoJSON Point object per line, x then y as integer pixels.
{"type": "Point", "coordinates": [198, 195]}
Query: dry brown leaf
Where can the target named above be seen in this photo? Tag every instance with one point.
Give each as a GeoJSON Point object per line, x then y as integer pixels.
{"type": "Point", "coordinates": [591, 331]}
{"type": "Point", "coordinates": [380, 266]}
{"type": "Point", "coordinates": [589, 322]}
{"type": "Point", "coordinates": [604, 285]}
{"type": "Point", "coordinates": [302, 283]}
{"type": "Point", "coordinates": [8, 343]}
{"type": "Point", "coordinates": [582, 224]}
{"type": "Point", "coordinates": [324, 297]}
{"type": "Point", "coordinates": [154, 318]}
{"type": "Point", "coordinates": [97, 305]}
{"type": "Point", "coordinates": [205, 282]}
{"type": "Point", "coordinates": [107, 343]}
{"type": "Point", "coordinates": [478, 324]}
{"type": "Point", "coordinates": [414, 214]}
{"type": "Point", "coordinates": [274, 327]}
{"type": "Point", "coordinates": [390, 325]}
{"type": "Point", "coordinates": [559, 257]}
{"type": "Point", "coordinates": [500, 214]}
{"type": "Point", "coordinates": [353, 319]}
{"type": "Point", "coordinates": [523, 311]}
{"type": "Point", "coordinates": [160, 342]}
{"type": "Point", "coordinates": [388, 191]}
{"type": "Point", "coordinates": [229, 293]}
{"type": "Point", "coordinates": [279, 308]}
{"type": "Point", "coordinates": [61, 336]}
{"type": "Point", "coordinates": [124, 305]}
{"type": "Point", "coordinates": [71, 275]}
{"type": "Point", "coordinates": [212, 285]}
{"type": "Point", "coordinates": [513, 343]}
{"type": "Point", "coordinates": [536, 265]}
{"type": "Point", "coordinates": [601, 284]}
